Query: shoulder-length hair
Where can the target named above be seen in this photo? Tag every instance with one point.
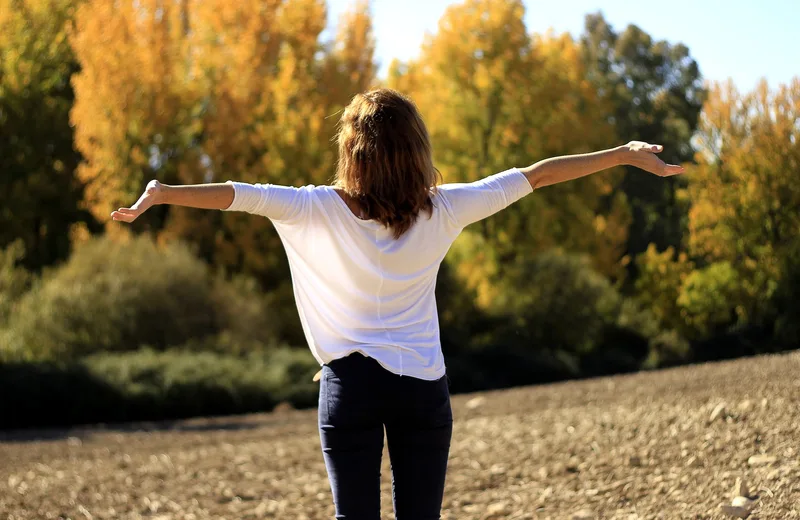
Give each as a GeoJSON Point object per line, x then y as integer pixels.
{"type": "Point", "coordinates": [385, 161]}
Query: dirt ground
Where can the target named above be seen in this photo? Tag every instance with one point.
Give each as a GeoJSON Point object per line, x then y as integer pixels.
{"type": "Point", "coordinates": [668, 444]}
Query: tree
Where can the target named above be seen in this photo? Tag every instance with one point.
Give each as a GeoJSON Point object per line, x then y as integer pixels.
{"type": "Point", "coordinates": [133, 113]}
{"type": "Point", "coordinates": [743, 190]}
{"type": "Point", "coordinates": [206, 91]}
{"type": "Point", "coordinates": [494, 97]}
{"type": "Point", "coordinates": [743, 222]}
{"type": "Point", "coordinates": [655, 92]}
{"type": "Point", "coordinates": [39, 189]}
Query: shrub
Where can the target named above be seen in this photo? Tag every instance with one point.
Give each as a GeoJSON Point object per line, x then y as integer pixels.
{"type": "Point", "coordinates": [14, 280]}
{"type": "Point", "coordinates": [554, 317]}
{"type": "Point", "coordinates": [152, 385]}
{"type": "Point", "coordinates": [786, 302]}
{"type": "Point", "coordinates": [668, 348]}
{"type": "Point", "coordinates": [113, 296]}
{"type": "Point", "coordinates": [556, 301]}
{"type": "Point", "coordinates": [712, 299]}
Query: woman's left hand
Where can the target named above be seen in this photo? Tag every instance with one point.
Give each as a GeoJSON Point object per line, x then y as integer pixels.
{"type": "Point", "coordinates": [643, 156]}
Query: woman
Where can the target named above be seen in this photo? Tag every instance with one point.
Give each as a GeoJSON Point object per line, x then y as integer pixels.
{"type": "Point", "coordinates": [364, 254]}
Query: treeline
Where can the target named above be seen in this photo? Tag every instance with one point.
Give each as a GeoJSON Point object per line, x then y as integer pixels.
{"type": "Point", "coordinates": [191, 312]}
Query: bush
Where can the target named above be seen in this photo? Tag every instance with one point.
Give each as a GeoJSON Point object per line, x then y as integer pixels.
{"type": "Point", "coordinates": [711, 299]}
{"type": "Point", "coordinates": [553, 317]}
{"type": "Point", "coordinates": [786, 302]}
{"type": "Point", "coordinates": [668, 349]}
{"type": "Point", "coordinates": [504, 365]}
{"type": "Point", "coordinates": [115, 297]}
{"type": "Point", "coordinates": [556, 302]}
{"type": "Point", "coordinates": [151, 385]}
{"type": "Point", "coordinates": [14, 280]}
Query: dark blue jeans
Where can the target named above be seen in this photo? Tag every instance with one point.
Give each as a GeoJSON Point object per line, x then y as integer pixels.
{"type": "Point", "coordinates": [358, 398]}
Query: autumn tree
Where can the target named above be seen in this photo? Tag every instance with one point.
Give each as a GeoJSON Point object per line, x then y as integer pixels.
{"type": "Point", "coordinates": [655, 92]}
{"type": "Point", "coordinates": [743, 191]}
{"type": "Point", "coordinates": [206, 91]}
{"type": "Point", "coordinates": [495, 97]}
{"type": "Point", "coordinates": [743, 222]}
{"type": "Point", "coordinates": [274, 122]}
{"type": "Point", "coordinates": [39, 191]}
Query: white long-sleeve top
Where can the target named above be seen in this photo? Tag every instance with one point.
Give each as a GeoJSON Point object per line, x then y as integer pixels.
{"type": "Point", "coordinates": [357, 288]}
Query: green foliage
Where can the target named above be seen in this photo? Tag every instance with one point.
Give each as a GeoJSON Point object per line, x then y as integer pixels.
{"type": "Point", "coordinates": [656, 93]}
{"type": "Point", "coordinates": [246, 316]}
{"type": "Point", "coordinates": [710, 297]}
{"type": "Point", "coordinates": [786, 302]}
{"type": "Point", "coordinates": [556, 301]}
{"type": "Point", "coordinates": [14, 280]}
{"type": "Point", "coordinates": [40, 192]}
{"type": "Point", "coordinates": [550, 317]}
{"type": "Point", "coordinates": [114, 296]}
{"type": "Point", "coordinates": [668, 348]}
{"type": "Point", "coordinates": [661, 275]}
{"type": "Point", "coordinates": [150, 385]}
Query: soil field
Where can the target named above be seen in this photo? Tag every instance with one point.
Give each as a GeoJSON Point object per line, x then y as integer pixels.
{"type": "Point", "coordinates": [666, 444]}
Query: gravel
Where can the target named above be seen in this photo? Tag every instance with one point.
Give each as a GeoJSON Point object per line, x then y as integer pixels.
{"type": "Point", "coordinates": [708, 441]}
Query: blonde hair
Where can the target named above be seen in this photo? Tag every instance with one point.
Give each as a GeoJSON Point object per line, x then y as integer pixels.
{"type": "Point", "coordinates": [385, 160]}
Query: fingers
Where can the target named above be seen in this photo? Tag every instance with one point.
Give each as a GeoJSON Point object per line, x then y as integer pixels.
{"type": "Point", "coordinates": [124, 215]}
{"type": "Point", "coordinates": [673, 169]}
{"type": "Point", "coordinates": [641, 146]}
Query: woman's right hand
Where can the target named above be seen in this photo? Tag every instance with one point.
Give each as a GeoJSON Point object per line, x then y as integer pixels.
{"type": "Point", "coordinates": [153, 194]}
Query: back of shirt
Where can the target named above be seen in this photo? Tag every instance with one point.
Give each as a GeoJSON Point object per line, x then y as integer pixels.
{"type": "Point", "coordinates": [357, 288]}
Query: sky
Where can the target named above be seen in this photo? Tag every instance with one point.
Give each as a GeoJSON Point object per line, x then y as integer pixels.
{"type": "Point", "coordinates": [744, 40]}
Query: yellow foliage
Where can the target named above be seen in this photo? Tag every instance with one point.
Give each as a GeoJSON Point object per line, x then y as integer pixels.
{"type": "Point", "coordinates": [744, 192]}
{"type": "Point", "coordinates": [495, 97]}
{"type": "Point", "coordinates": [743, 221]}
{"type": "Point", "coordinates": [211, 90]}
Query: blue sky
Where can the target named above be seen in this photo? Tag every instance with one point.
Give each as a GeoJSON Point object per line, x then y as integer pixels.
{"type": "Point", "coordinates": [739, 39]}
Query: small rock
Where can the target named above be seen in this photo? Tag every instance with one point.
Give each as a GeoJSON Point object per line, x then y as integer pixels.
{"type": "Point", "coordinates": [497, 507]}
{"type": "Point", "coordinates": [694, 462]}
{"type": "Point", "coordinates": [584, 514]}
{"type": "Point", "coordinates": [74, 441]}
{"type": "Point", "coordinates": [761, 460]}
{"type": "Point", "coordinates": [742, 502]}
{"type": "Point", "coordinates": [497, 469]}
{"type": "Point", "coordinates": [740, 488]}
{"type": "Point", "coordinates": [735, 511]}
{"type": "Point", "coordinates": [719, 411]}
{"type": "Point", "coordinates": [261, 509]}
{"type": "Point", "coordinates": [475, 402]}
{"type": "Point", "coordinates": [745, 405]}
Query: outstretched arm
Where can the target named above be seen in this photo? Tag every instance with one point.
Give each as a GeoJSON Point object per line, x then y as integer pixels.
{"type": "Point", "coordinates": [204, 196]}
{"type": "Point", "coordinates": [471, 202]}
{"type": "Point", "coordinates": [568, 167]}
